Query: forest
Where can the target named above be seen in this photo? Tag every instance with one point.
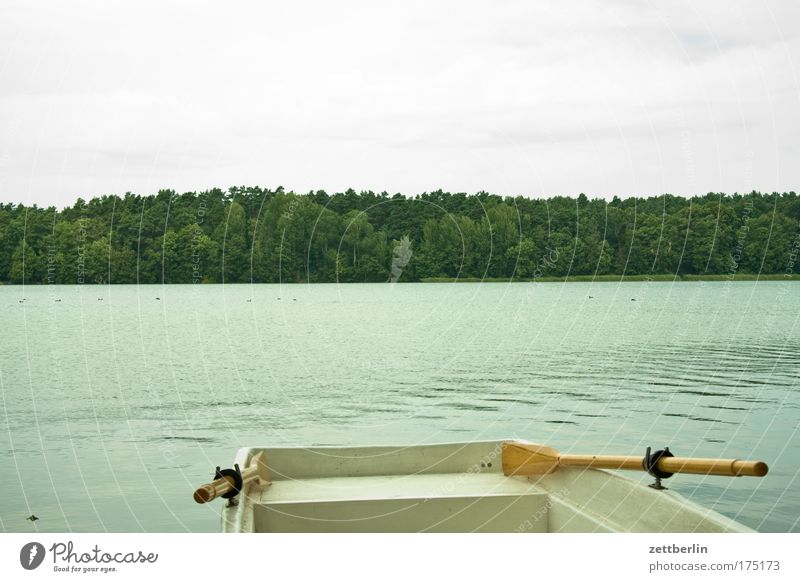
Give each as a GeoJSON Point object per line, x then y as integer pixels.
{"type": "Point", "coordinates": [251, 234]}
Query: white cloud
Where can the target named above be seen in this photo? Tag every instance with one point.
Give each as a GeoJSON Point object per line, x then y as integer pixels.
{"type": "Point", "coordinates": [516, 98]}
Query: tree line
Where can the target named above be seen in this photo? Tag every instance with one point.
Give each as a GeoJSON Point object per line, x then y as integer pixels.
{"type": "Point", "coordinates": [252, 234]}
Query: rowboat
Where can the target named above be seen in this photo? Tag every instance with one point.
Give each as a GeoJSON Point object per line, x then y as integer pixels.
{"type": "Point", "coordinates": [492, 486]}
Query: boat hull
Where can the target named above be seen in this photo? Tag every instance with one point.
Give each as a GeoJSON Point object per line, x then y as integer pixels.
{"type": "Point", "coordinates": [450, 487]}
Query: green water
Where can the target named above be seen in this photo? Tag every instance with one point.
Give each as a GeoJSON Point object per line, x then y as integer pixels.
{"type": "Point", "coordinates": [116, 404]}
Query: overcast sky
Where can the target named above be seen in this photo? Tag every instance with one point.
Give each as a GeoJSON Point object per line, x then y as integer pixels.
{"type": "Point", "coordinates": [533, 98]}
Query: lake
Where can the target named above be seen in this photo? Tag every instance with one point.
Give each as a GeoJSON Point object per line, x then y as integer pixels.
{"type": "Point", "coordinates": [117, 401]}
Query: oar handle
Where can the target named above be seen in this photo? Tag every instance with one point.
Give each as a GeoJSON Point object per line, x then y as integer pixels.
{"type": "Point", "coordinates": [211, 491]}
{"type": "Point", "coordinates": [256, 471]}
{"type": "Point", "coordinates": [727, 467]}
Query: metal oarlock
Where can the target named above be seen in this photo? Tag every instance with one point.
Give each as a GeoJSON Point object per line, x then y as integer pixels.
{"type": "Point", "coordinates": [238, 482]}
{"type": "Point", "coordinates": [650, 464]}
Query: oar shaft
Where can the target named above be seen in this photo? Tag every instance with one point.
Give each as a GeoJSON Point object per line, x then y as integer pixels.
{"type": "Point", "coordinates": [223, 485]}
{"type": "Point", "coordinates": [730, 467]}
{"type": "Point", "coordinates": [209, 491]}
{"type": "Point", "coordinates": [727, 467]}
{"type": "Point", "coordinates": [602, 461]}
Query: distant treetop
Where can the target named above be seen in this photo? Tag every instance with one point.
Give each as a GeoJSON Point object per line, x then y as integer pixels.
{"type": "Point", "coordinates": [252, 234]}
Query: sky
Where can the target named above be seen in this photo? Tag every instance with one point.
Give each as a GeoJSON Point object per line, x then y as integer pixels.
{"type": "Point", "coordinates": [516, 98]}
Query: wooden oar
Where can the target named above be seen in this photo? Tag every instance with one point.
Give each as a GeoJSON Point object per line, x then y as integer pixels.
{"type": "Point", "coordinates": [530, 459]}
{"type": "Point", "coordinates": [257, 470]}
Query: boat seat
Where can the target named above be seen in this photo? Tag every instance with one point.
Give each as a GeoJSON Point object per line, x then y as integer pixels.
{"type": "Point", "coordinates": [448, 502]}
